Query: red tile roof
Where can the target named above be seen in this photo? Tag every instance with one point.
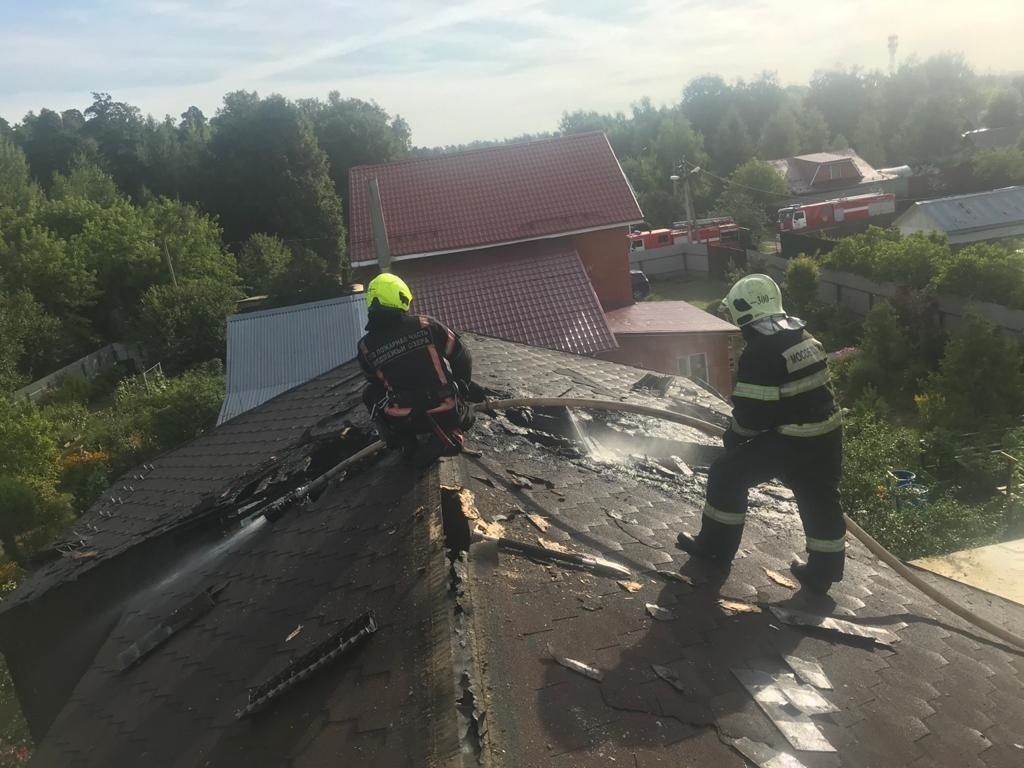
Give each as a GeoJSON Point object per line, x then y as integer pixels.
{"type": "Point", "coordinates": [533, 293]}
{"type": "Point", "coordinates": [666, 317]}
{"type": "Point", "coordinates": [492, 196]}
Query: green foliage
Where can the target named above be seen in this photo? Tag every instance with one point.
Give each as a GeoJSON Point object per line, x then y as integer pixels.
{"type": "Point", "coordinates": [867, 139]}
{"type": "Point", "coordinates": [185, 324]}
{"type": "Point", "coordinates": [305, 279]}
{"type": "Point", "coordinates": [16, 189]}
{"type": "Point", "coordinates": [85, 180]}
{"type": "Point", "coordinates": [732, 143]}
{"type": "Point", "coordinates": [813, 130]}
{"type": "Point", "coordinates": [1005, 109]}
{"type": "Point", "coordinates": [980, 381]}
{"type": "Point", "coordinates": [984, 271]}
{"type": "Point", "coordinates": [26, 334]}
{"type": "Point", "coordinates": [35, 260]}
{"type": "Point", "coordinates": [262, 261]}
{"type": "Point", "coordinates": [999, 167]}
{"type": "Point", "coordinates": [800, 287]}
{"type": "Point", "coordinates": [270, 175]}
{"type": "Point", "coordinates": [884, 256]}
{"type": "Point", "coordinates": [780, 136]}
{"type": "Point", "coordinates": [752, 193]}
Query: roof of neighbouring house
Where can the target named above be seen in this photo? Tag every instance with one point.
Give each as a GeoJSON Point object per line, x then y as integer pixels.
{"type": "Point", "coordinates": [965, 213]}
{"type": "Point", "coordinates": [462, 667]}
{"type": "Point", "coordinates": [799, 171]}
{"type": "Point", "coordinates": [993, 138]}
{"type": "Point", "coordinates": [666, 317]}
{"type": "Point", "coordinates": [535, 293]}
{"type": "Point", "coordinates": [270, 352]}
{"type": "Point", "coordinates": [996, 568]}
{"type": "Point", "coordinates": [492, 196]}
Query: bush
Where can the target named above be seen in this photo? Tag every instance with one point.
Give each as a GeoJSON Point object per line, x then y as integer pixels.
{"type": "Point", "coordinates": [262, 261]}
{"type": "Point", "coordinates": [800, 287]}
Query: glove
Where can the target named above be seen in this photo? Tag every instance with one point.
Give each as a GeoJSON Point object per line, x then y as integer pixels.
{"type": "Point", "coordinates": [475, 393]}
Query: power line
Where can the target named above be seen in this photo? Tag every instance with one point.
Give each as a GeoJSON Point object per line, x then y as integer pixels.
{"type": "Point", "coordinates": [779, 195]}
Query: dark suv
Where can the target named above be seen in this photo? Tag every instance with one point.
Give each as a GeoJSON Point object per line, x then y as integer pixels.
{"type": "Point", "coordinates": [641, 285]}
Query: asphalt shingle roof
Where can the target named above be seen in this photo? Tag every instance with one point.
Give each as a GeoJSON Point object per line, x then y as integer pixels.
{"type": "Point", "coordinates": [944, 695]}
{"type": "Point", "coordinates": [492, 196]}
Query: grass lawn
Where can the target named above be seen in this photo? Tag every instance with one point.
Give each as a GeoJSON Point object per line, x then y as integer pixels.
{"type": "Point", "coordinates": [699, 292]}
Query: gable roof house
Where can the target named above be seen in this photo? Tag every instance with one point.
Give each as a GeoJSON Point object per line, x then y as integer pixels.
{"type": "Point", "coordinates": [366, 627]}
{"type": "Point", "coordinates": [981, 217]}
{"type": "Point", "coordinates": [826, 175]}
{"type": "Point", "coordinates": [526, 242]}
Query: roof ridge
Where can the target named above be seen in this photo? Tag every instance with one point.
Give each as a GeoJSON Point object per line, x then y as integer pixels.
{"type": "Point", "coordinates": [479, 150]}
{"type": "Point", "coordinates": [971, 194]}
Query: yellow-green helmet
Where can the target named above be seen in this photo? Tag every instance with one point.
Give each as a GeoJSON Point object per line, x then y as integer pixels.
{"type": "Point", "coordinates": [387, 291]}
{"type": "Point", "coordinates": [752, 298]}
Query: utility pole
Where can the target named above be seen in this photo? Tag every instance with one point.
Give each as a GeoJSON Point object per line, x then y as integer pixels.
{"type": "Point", "coordinates": [894, 41]}
{"type": "Point", "coordinates": [687, 200]}
{"type": "Point", "coordinates": [170, 265]}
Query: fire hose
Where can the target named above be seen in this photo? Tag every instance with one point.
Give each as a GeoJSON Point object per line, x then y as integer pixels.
{"type": "Point", "coordinates": [714, 430]}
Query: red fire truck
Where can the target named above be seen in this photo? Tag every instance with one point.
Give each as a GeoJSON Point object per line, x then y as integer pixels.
{"type": "Point", "coordinates": [712, 231]}
{"type": "Point", "coordinates": [835, 213]}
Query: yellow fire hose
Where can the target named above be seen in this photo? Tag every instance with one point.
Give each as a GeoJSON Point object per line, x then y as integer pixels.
{"type": "Point", "coordinates": [712, 429]}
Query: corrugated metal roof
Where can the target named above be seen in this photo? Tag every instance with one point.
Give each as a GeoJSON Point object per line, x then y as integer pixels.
{"type": "Point", "coordinates": [505, 194]}
{"type": "Point", "coordinates": [270, 352]}
{"type": "Point", "coordinates": [961, 213]}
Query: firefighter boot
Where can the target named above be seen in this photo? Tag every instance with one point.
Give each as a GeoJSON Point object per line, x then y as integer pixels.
{"type": "Point", "coordinates": [696, 547]}
{"type": "Point", "coordinates": [810, 578]}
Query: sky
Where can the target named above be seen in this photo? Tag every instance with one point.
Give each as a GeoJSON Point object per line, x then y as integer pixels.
{"type": "Point", "coordinates": [459, 71]}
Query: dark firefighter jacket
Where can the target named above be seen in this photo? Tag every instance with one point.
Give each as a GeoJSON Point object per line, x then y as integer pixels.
{"type": "Point", "coordinates": [783, 385]}
{"type": "Point", "coordinates": [413, 355]}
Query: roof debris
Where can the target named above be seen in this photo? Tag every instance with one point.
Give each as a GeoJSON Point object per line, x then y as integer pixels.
{"type": "Point", "coordinates": [631, 586]}
{"type": "Point", "coordinates": [293, 634]}
{"type": "Point", "coordinates": [778, 578]}
{"type": "Point", "coordinates": [659, 613]}
{"type": "Point", "coordinates": [764, 756]}
{"type": "Point", "coordinates": [676, 576]}
{"type": "Point", "coordinates": [577, 666]}
{"type": "Point", "coordinates": [194, 609]}
{"type": "Point", "coordinates": [669, 676]}
{"type": "Point", "coordinates": [319, 656]}
{"type": "Point", "coordinates": [737, 606]}
{"type": "Point", "coordinates": [799, 730]}
{"type": "Point", "coordinates": [882, 637]}
{"type": "Point", "coordinates": [809, 671]}
{"type": "Point", "coordinates": [553, 545]}
{"type": "Point", "coordinates": [540, 522]}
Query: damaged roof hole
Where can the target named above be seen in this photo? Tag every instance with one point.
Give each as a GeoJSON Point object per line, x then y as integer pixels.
{"type": "Point", "coordinates": [456, 510]}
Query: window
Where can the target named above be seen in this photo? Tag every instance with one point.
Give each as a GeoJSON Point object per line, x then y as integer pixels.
{"type": "Point", "coordinates": [636, 245]}
{"type": "Point", "coordinates": [694, 367]}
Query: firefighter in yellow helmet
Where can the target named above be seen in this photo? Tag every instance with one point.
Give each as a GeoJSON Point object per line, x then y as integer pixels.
{"type": "Point", "coordinates": [785, 425]}
{"type": "Point", "coordinates": [418, 371]}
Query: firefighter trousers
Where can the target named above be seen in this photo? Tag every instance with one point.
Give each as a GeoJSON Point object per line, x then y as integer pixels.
{"type": "Point", "coordinates": [445, 426]}
{"type": "Point", "coordinates": [810, 466]}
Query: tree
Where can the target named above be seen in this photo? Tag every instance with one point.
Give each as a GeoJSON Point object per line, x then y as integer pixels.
{"type": "Point", "coordinates": [780, 136]}
{"type": "Point", "coordinates": [751, 192]}
{"type": "Point", "coordinates": [262, 261]}
{"type": "Point", "coordinates": [813, 131]}
{"type": "Point", "coordinates": [931, 133]}
{"type": "Point", "coordinates": [192, 241]}
{"type": "Point", "coordinates": [27, 337]}
{"type": "Point", "coordinates": [52, 141]}
{"type": "Point", "coordinates": [1005, 109]}
{"type": "Point", "coordinates": [705, 101]}
{"type": "Point", "coordinates": [118, 130]}
{"type": "Point", "coordinates": [353, 132]}
{"type": "Point", "coordinates": [15, 185]}
{"type": "Point", "coordinates": [800, 286]}
{"type": "Point", "coordinates": [85, 180]}
{"type": "Point", "coordinates": [267, 174]}
{"type": "Point", "coordinates": [842, 96]}
{"type": "Point", "coordinates": [984, 271]}
{"type": "Point", "coordinates": [867, 140]}
{"type": "Point", "coordinates": [732, 144]}
{"type": "Point", "coordinates": [980, 382]}
{"type": "Point", "coordinates": [185, 324]}
{"type": "Point", "coordinates": [35, 260]}
{"type": "Point", "coordinates": [305, 279]}
{"type": "Point", "coordinates": [995, 168]}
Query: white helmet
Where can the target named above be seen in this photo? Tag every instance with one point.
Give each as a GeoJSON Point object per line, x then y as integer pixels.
{"type": "Point", "coordinates": [752, 298]}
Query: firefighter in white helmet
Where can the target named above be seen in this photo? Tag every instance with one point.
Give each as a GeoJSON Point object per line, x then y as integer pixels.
{"type": "Point", "coordinates": [785, 425]}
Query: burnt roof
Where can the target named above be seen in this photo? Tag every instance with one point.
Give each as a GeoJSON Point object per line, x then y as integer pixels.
{"type": "Point", "coordinates": [942, 695]}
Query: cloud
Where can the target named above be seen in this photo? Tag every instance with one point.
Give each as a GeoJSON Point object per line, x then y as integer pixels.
{"type": "Point", "coordinates": [457, 72]}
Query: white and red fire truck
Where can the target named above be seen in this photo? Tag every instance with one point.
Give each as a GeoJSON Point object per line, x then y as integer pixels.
{"type": "Point", "coordinates": [834, 213]}
{"type": "Point", "coordinates": [670, 241]}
